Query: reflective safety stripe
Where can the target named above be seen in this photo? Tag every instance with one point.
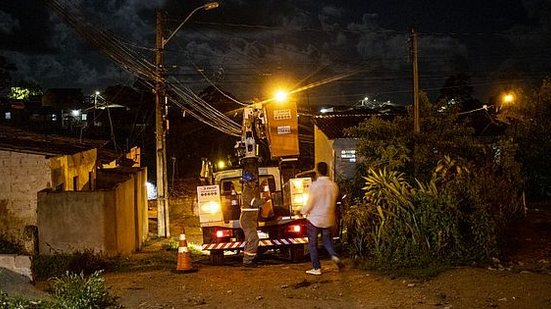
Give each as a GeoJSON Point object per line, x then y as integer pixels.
{"type": "Point", "coordinates": [182, 237]}
{"type": "Point", "coordinates": [261, 243]}
{"type": "Point", "coordinates": [249, 209]}
{"type": "Point", "coordinates": [249, 253]}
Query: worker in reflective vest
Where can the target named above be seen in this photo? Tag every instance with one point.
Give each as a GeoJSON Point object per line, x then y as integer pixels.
{"type": "Point", "coordinates": [248, 222]}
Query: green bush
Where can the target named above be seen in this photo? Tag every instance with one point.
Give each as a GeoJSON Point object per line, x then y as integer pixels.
{"type": "Point", "coordinates": [70, 291]}
{"type": "Point", "coordinates": [455, 218]}
{"type": "Point", "coordinates": [79, 291]}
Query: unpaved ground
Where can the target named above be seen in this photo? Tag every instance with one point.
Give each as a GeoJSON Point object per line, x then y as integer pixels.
{"type": "Point", "coordinates": [280, 285]}
{"type": "Point", "coordinates": [522, 281]}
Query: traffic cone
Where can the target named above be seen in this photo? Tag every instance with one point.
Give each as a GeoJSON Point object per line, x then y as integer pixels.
{"type": "Point", "coordinates": [183, 264]}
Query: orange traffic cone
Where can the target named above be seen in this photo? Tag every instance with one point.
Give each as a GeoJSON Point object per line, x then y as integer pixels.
{"type": "Point", "coordinates": [184, 258]}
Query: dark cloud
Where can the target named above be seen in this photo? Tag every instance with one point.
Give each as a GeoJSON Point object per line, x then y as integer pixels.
{"type": "Point", "coordinates": [8, 25]}
{"type": "Point", "coordinates": [245, 45]}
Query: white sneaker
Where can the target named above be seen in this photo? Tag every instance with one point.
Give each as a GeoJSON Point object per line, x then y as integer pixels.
{"type": "Point", "coordinates": [313, 271]}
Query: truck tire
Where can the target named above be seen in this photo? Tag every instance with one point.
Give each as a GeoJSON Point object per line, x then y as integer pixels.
{"type": "Point", "coordinates": [217, 257]}
{"type": "Point", "coordinates": [297, 253]}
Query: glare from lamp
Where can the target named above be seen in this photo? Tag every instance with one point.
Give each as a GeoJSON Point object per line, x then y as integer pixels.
{"type": "Point", "coordinates": [508, 98]}
{"type": "Point", "coordinates": [281, 96]}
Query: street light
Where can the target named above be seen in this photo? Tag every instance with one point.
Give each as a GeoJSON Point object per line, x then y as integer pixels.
{"type": "Point", "coordinates": [281, 96]}
{"type": "Point", "coordinates": [163, 222]}
{"type": "Point", "coordinates": [206, 7]}
{"type": "Point", "coordinates": [508, 98]}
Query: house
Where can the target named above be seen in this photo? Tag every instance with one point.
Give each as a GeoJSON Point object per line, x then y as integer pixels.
{"type": "Point", "coordinates": [331, 145]}
{"type": "Point", "coordinates": [42, 174]}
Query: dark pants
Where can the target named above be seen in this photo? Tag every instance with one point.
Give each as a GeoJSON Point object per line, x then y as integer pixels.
{"type": "Point", "coordinates": [248, 221]}
{"type": "Point", "coordinates": [313, 243]}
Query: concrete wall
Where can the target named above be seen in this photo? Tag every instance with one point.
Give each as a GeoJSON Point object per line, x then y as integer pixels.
{"type": "Point", "coordinates": [110, 222]}
{"type": "Point", "coordinates": [141, 206]}
{"type": "Point", "coordinates": [329, 151]}
{"type": "Point", "coordinates": [20, 264]}
{"type": "Point", "coordinates": [81, 165]}
{"type": "Point", "coordinates": [323, 150]}
{"type": "Point", "coordinates": [23, 175]}
{"type": "Point", "coordinates": [74, 221]}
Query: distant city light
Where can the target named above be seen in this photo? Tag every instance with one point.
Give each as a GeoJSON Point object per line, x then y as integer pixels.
{"type": "Point", "coordinates": [221, 165]}
{"type": "Point", "coordinates": [75, 113]}
{"type": "Point", "coordinates": [326, 110]}
{"type": "Point", "coordinates": [97, 92]}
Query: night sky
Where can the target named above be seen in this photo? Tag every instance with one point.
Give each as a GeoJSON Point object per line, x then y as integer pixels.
{"type": "Point", "coordinates": [246, 45]}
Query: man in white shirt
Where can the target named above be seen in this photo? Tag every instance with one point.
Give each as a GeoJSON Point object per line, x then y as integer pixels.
{"type": "Point", "coordinates": [320, 213]}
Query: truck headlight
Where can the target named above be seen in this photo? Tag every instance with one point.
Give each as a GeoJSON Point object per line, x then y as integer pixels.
{"type": "Point", "coordinates": [211, 207]}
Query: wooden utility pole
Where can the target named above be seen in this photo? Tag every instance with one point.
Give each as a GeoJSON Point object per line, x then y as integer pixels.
{"type": "Point", "coordinates": [163, 222]}
{"type": "Point", "coordinates": [416, 124]}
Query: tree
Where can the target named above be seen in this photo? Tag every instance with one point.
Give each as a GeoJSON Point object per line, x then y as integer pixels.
{"type": "Point", "coordinates": [530, 124]}
{"type": "Point", "coordinates": [457, 91]}
{"type": "Point", "coordinates": [392, 144]}
{"type": "Point", "coordinates": [25, 89]}
{"type": "Point", "coordinates": [444, 196]}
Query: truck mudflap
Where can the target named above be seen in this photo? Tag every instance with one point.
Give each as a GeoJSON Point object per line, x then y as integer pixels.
{"type": "Point", "coordinates": [262, 243]}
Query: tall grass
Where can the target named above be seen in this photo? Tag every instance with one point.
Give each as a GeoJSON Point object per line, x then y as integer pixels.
{"type": "Point", "coordinates": [449, 220]}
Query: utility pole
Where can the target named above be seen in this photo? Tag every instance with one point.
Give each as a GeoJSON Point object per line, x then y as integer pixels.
{"type": "Point", "coordinates": [163, 223]}
{"type": "Point", "coordinates": [416, 124]}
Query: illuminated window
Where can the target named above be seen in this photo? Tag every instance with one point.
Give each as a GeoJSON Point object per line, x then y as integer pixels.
{"type": "Point", "coordinates": [348, 155]}
{"type": "Point", "coordinates": [7, 115]}
{"type": "Point", "coordinates": [83, 117]}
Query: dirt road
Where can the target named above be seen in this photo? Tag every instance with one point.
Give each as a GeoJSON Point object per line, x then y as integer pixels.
{"type": "Point", "coordinates": [281, 285]}
{"type": "Point", "coordinates": [523, 281]}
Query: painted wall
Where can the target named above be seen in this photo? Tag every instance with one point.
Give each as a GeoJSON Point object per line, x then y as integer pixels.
{"type": "Point", "coordinates": [323, 150]}
{"type": "Point", "coordinates": [329, 151]}
{"type": "Point", "coordinates": [74, 169]}
{"type": "Point", "coordinates": [23, 175]}
{"type": "Point", "coordinates": [110, 222]}
{"type": "Point", "coordinates": [141, 207]}
{"type": "Point", "coordinates": [73, 221]}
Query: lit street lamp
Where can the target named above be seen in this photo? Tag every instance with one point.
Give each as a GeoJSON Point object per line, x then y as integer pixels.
{"type": "Point", "coordinates": [163, 223]}
{"type": "Point", "coordinates": [508, 98]}
{"type": "Point", "coordinates": [281, 96]}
